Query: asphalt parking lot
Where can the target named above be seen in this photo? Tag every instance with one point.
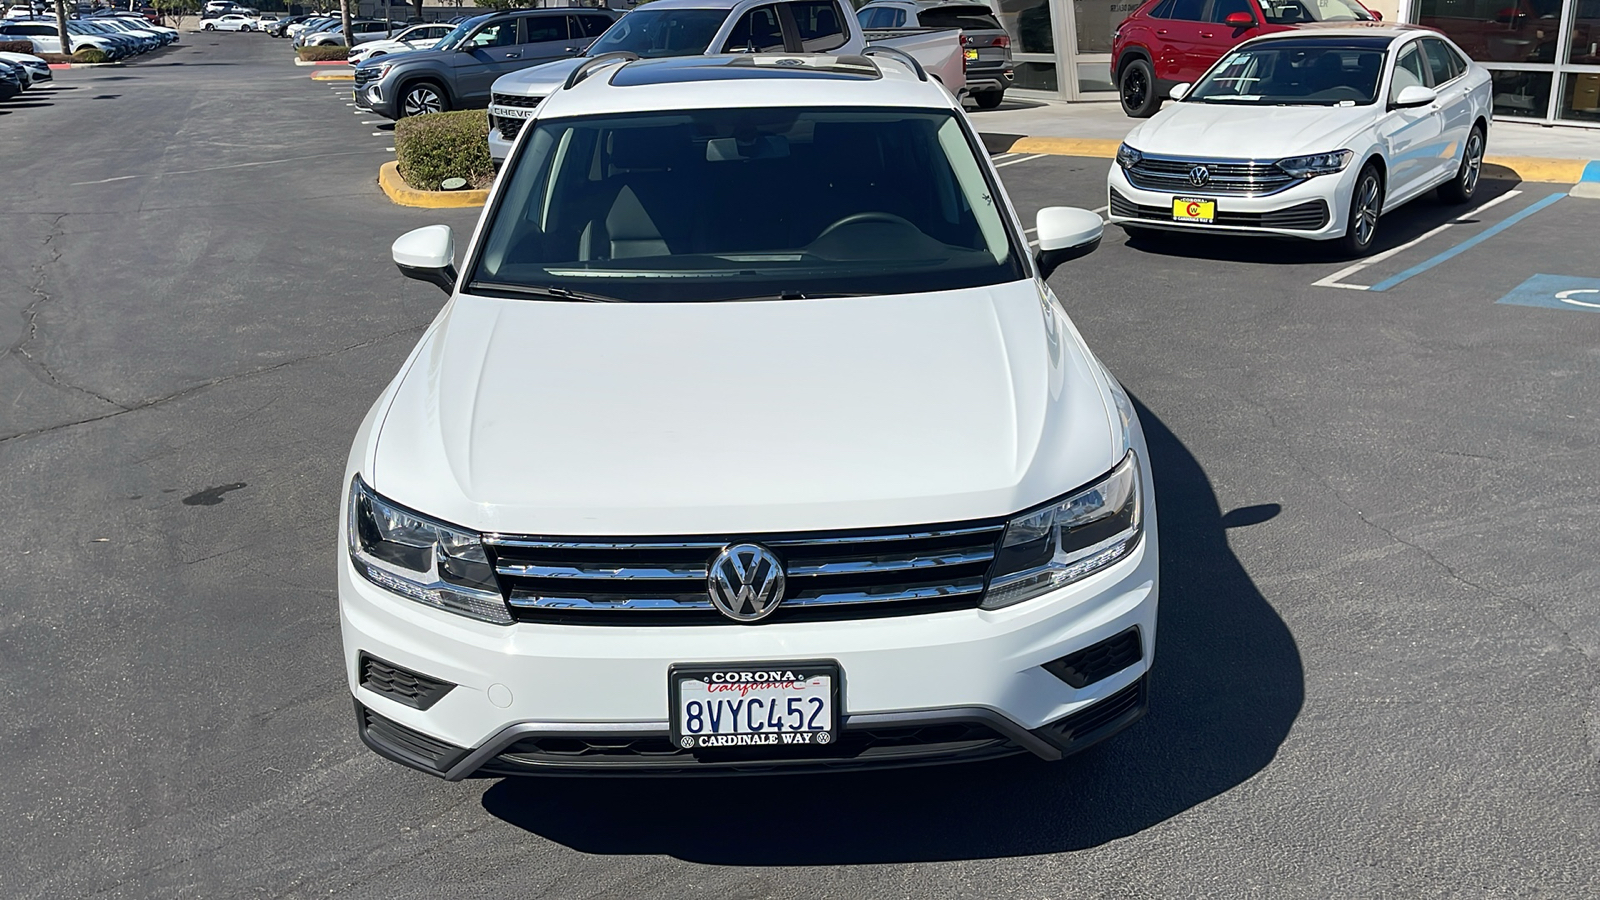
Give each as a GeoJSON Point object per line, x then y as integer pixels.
{"type": "Point", "coordinates": [1378, 670]}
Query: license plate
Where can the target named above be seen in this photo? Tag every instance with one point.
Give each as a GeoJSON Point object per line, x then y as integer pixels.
{"type": "Point", "coordinates": [767, 707]}
{"type": "Point", "coordinates": [511, 112]}
{"type": "Point", "coordinates": [971, 54]}
{"type": "Point", "coordinates": [1194, 209]}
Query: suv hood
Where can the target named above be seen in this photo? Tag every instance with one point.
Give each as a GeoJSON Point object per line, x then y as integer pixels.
{"type": "Point", "coordinates": [592, 419]}
{"type": "Point", "coordinates": [538, 81]}
{"type": "Point", "coordinates": [1213, 130]}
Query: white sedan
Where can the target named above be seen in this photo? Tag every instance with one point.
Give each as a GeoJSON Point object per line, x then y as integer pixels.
{"type": "Point", "coordinates": [417, 37]}
{"type": "Point", "coordinates": [231, 22]}
{"type": "Point", "coordinates": [1311, 134]}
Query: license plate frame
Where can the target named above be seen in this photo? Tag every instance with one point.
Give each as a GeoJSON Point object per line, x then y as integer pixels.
{"type": "Point", "coordinates": [1199, 210]}
{"type": "Point", "coordinates": [680, 674]}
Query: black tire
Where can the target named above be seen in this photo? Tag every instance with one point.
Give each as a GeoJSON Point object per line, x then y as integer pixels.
{"type": "Point", "coordinates": [414, 99]}
{"type": "Point", "coordinates": [209, 27]}
{"type": "Point", "coordinates": [1366, 205]}
{"type": "Point", "coordinates": [1136, 88]}
{"type": "Point", "coordinates": [989, 99]}
{"type": "Point", "coordinates": [1461, 188]}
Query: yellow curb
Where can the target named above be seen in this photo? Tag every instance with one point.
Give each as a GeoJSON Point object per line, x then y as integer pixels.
{"type": "Point", "coordinates": [1095, 147]}
{"type": "Point", "coordinates": [404, 195]}
{"type": "Point", "coordinates": [1524, 168]}
{"type": "Point", "coordinates": [1533, 168]}
{"type": "Point", "coordinates": [333, 76]}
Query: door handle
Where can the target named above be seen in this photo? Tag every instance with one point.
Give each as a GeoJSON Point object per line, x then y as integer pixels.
{"type": "Point", "coordinates": [513, 56]}
{"type": "Point", "coordinates": [1208, 34]}
{"type": "Point", "coordinates": [1161, 31]}
{"type": "Point", "coordinates": [571, 49]}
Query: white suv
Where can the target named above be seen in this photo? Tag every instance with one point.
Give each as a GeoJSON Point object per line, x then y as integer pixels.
{"type": "Point", "coordinates": [751, 436]}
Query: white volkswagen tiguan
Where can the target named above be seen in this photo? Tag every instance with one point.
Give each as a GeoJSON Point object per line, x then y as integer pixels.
{"type": "Point", "coordinates": [750, 437]}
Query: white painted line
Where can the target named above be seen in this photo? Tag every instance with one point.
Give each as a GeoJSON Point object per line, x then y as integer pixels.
{"type": "Point", "coordinates": [1336, 279]}
{"type": "Point", "coordinates": [1100, 210]}
{"type": "Point", "coordinates": [390, 149]}
{"type": "Point", "coordinates": [379, 133]}
{"type": "Point", "coordinates": [1012, 162]}
{"type": "Point", "coordinates": [999, 156]}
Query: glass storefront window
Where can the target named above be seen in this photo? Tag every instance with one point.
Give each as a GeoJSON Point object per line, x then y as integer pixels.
{"type": "Point", "coordinates": [1498, 30]}
{"type": "Point", "coordinates": [1029, 23]}
{"type": "Point", "coordinates": [1585, 49]}
{"type": "Point", "coordinates": [1525, 95]}
{"type": "Point", "coordinates": [1580, 97]}
{"type": "Point", "coordinates": [1096, 20]}
{"type": "Point", "coordinates": [1037, 76]}
{"type": "Point", "coordinates": [1094, 76]}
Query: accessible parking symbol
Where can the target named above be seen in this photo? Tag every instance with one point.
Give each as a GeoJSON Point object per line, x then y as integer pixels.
{"type": "Point", "coordinates": [1556, 292]}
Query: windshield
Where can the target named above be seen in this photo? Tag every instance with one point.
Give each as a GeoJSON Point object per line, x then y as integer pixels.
{"type": "Point", "coordinates": [726, 204]}
{"type": "Point", "coordinates": [458, 33]}
{"type": "Point", "coordinates": [1293, 73]}
{"type": "Point", "coordinates": [1288, 12]}
{"type": "Point", "coordinates": [655, 33]}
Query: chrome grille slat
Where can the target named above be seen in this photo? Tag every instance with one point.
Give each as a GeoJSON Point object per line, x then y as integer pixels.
{"type": "Point", "coordinates": [1238, 177]}
{"type": "Point", "coordinates": [632, 580]}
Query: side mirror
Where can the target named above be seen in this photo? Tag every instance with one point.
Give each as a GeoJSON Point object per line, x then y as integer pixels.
{"type": "Point", "coordinates": [1179, 91]}
{"type": "Point", "coordinates": [428, 254]}
{"type": "Point", "coordinates": [1414, 95]}
{"type": "Point", "coordinates": [1065, 233]}
{"type": "Point", "coordinates": [1239, 20]}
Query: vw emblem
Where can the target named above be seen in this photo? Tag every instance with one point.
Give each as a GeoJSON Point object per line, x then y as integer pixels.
{"type": "Point", "coordinates": [745, 582]}
{"type": "Point", "coordinates": [1199, 176]}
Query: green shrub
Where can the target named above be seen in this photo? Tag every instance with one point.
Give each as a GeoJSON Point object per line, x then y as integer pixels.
{"type": "Point", "coordinates": [16, 47]}
{"type": "Point", "coordinates": [322, 54]}
{"type": "Point", "coordinates": [434, 147]}
{"type": "Point", "coordinates": [88, 55]}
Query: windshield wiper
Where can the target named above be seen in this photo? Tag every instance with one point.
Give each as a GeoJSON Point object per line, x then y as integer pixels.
{"type": "Point", "coordinates": [796, 295]}
{"type": "Point", "coordinates": [559, 293]}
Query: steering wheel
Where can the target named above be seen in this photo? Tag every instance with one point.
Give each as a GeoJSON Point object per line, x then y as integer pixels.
{"type": "Point", "coordinates": [861, 218]}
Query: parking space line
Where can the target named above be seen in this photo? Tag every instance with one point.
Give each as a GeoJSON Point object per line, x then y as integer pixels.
{"type": "Point", "coordinates": [999, 156]}
{"type": "Point", "coordinates": [1465, 245]}
{"type": "Point", "coordinates": [1336, 280]}
{"type": "Point", "coordinates": [1012, 162]}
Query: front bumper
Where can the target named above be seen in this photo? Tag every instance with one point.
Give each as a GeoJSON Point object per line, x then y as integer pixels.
{"type": "Point", "coordinates": [1315, 209]}
{"type": "Point", "coordinates": [374, 97]}
{"type": "Point", "coordinates": [920, 689]}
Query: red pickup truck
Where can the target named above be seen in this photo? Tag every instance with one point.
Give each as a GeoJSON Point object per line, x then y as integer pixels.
{"type": "Point", "coordinates": [1169, 42]}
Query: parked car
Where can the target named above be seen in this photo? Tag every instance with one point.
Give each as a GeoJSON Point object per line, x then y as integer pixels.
{"type": "Point", "coordinates": [986, 44]}
{"type": "Point", "coordinates": [1168, 42]}
{"type": "Point", "coordinates": [361, 31]}
{"type": "Point", "coordinates": [672, 28]}
{"type": "Point", "coordinates": [1310, 134]}
{"type": "Point", "coordinates": [280, 28]}
{"type": "Point", "coordinates": [230, 22]}
{"type": "Point", "coordinates": [37, 69]}
{"type": "Point", "coordinates": [13, 81]}
{"type": "Point", "coordinates": [707, 604]}
{"type": "Point", "coordinates": [457, 73]}
{"type": "Point", "coordinates": [46, 39]}
{"type": "Point", "coordinates": [416, 37]}
{"type": "Point", "coordinates": [313, 24]}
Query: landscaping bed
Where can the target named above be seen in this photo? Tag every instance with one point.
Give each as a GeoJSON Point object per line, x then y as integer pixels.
{"type": "Point", "coordinates": [323, 54]}
{"type": "Point", "coordinates": [433, 148]}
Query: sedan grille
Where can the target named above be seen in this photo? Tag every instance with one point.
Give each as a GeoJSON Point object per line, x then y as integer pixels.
{"type": "Point", "coordinates": [635, 581]}
{"type": "Point", "coordinates": [1239, 177]}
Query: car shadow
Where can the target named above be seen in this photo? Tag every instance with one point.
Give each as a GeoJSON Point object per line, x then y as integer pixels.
{"type": "Point", "coordinates": [1226, 686]}
{"type": "Point", "coordinates": [1407, 223]}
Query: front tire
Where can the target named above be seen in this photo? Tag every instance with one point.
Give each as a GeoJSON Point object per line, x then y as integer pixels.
{"type": "Point", "coordinates": [989, 99]}
{"type": "Point", "coordinates": [1366, 204]}
{"type": "Point", "coordinates": [422, 98]}
{"type": "Point", "coordinates": [1136, 88]}
{"type": "Point", "coordinates": [1461, 188]}
{"type": "Point", "coordinates": [210, 27]}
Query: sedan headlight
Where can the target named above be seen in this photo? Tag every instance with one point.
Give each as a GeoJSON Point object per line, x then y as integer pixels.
{"type": "Point", "coordinates": [1316, 163]}
{"type": "Point", "coordinates": [1128, 157]}
{"type": "Point", "coordinates": [420, 559]}
{"type": "Point", "coordinates": [1052, 547]}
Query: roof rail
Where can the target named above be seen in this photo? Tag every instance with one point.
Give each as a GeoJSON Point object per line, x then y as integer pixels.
{"type": "Point", "coordinates": [897, 53]}
{"type": "Point", "coordinates": [589, 65]}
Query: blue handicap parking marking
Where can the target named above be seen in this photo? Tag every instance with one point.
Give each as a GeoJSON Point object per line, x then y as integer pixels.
{"type": "Point", "coordinates": [1556, 292]}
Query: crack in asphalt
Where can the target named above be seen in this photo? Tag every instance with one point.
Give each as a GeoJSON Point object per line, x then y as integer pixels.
{"type": "Point", "coordinates": [210, 383]}
{"type": "Point", "coordinates": [34, 365]}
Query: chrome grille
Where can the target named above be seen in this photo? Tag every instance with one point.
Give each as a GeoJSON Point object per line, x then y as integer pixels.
{"type": "Point", "coordinates": [637, 581]}
{"type": "Point", "coordinates": [1241, 177]}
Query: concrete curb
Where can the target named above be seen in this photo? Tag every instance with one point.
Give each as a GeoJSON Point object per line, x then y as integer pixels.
{"type": "Point", "coordinates": [83, 65]}
{"type": "Point", "coordinates": [1523, 168]}
{"type": "Point", "coordinates": [402, 194]}
{"type": "Point", "coordinates": [321, 62]}
{"type": "Point", "coordinates": [333, 76]}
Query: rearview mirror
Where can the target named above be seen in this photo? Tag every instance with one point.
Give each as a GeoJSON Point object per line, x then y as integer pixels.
{"type": "Point", "coordinates": [1239, 20]}
{"type": "Point", "coordinates": [1065, 233]}
{"type": "Point", "coordinates": [1179, 91]}
{"type": "Point", "coordinates": [428, 254]}
{"type": "Point", "coordinates": [1415, 95]}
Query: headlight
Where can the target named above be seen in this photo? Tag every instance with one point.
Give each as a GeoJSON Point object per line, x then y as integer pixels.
{"type": "Point", "coordinates": [1316, 163]}
{"type": "Point", "coordinates": [1127, 156]}
{"type": "Point", "coordinates": [421, 559]}
{"type": "Point", "coordinates": [1070, 539]}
